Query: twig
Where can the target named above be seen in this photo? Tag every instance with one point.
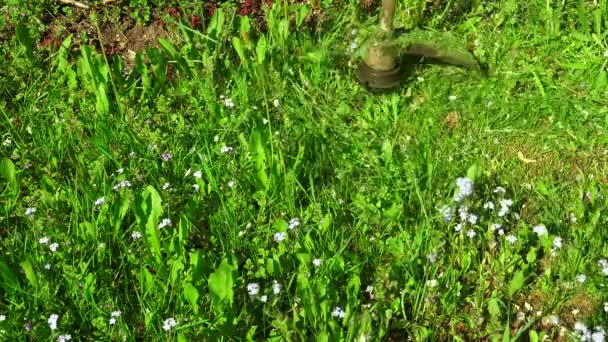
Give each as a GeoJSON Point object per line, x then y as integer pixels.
{"type": "Point", "coordinates": [75, 3]}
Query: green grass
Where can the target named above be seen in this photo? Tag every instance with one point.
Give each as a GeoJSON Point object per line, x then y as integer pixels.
{"type": "Point", "coordinates": [267, 133]}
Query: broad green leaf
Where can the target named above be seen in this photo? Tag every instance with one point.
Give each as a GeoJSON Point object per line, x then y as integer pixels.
{"type": "Point", "coordinates": [7, 171]}
{"type": "Point", "coordinates": [473, 171]}
{"type": "Point", "coordinates": [260, 50]}
{"type": "Point", "coordinates": [121, 210]}
{"type": "Point", "coordinates": [494, 307]}
{"type": "Point", "coordinates": [30, 275]}
{"type": "Point", "coordinates": [191, 295]}
{"type": "Point", "coordinates": [148, 209]}
{"type": "Point", "coordinates": [221, 287]}
{"type": "Point", "coordinates": [238, 46]}
{"type": "Point", "coordinates": [531, 256]}
{"type": "Point", "coordinates": [533, 336]}
{"type": "Point", "coordinates": [516, 283]}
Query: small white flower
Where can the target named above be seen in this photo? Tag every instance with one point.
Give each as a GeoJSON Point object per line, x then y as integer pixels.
{"type": "Point", "coordinates": [553, 319]}
{"type": "Point", "coordinates": [265, 121]}
{"type": "Point", "coordinates": [112, 321]}
{"type": "Point", "coordinates": [606, 53]}
{"type": "Point", "coordinates": [253, 289]}
{"type": "Point", "coordinates": [231, 184]}
{"type": "Point", "coordinates": [452, 97]}
{"type": "Point", "coordinates": [580, 327]}
{"type": "Point", "coordinates": [63, 338]}
{"type": "Point", "coordinates": [495, 226]}
{"type": "Point", "coordinates": [2, 318]}
{"type": "Point", "coordinates": [276, 102]}
{"type": "Point", "coordinates": [263, 298]}
{"type": "Point", "coordinates": [557, 242]}
{"type": "Point", "coordinates": [228, 102]}
{"type": "Point", "coordinates": [540, 229]}
{"type": "Point", "coordinates": [52, 321]}
{"type": "Point", "coordinates": [136, 235]}
{"type": "Point", "coordinates": [116, 313]}
{"type": "Point", "coordinates": [276, 287]}
{"type": "Point", "coordinates": [472, 218]}
{"type": "Point", "coordinates": [489, 206]}
{"type": "Point", "coordinates": [187, 173]}
{"type": "Point", "coordinates": [166, 186]}
{"type": "Point", "coordinates": [164, 223]}
{"type": "Point", "coordinates": [294, 222]}
{"type": "Point", "coordinates": [501, 232]}
{"type": "Point", "coordinates": [47, 266]}
{"type": "Point", "coordinates": [100, 201]}
{"type": "Point", "coordinates": [44, 240]}
{"type": "Point", "coordinates": [471, 233]}
{"type": "Point", "coordinates": [241, 233]}
{"type": "Point", "coordinates": [465, 188]}
{"type": "Point", "coordinates": [581, 278]}
{"type": "Point", "coordinates": [30, 211]}
{"type": "Point", "coordinates": [432, 257]}
{"type": "Point", "coordinates": [317, 262]}
{"type": "Point", "coordinates": [511, 238]}
{"type": "Point", "coordinates": [500, 190]}
{"type": "Point", "coordinates": [226, 149]}
{"type": "Point", "coordinates": [169, 323]}
{"type": "Point", "coordinates": [458, 227]}
{"type": "Point", "coordinates": [599, 335]}
{"type": "Point", "coordinates": [520, 316]}
{"type": "Point", "coordinates": [197, 174]}
{"type": "Point", "coordinates": [119, 171]}
{"type": "Point", "coordinates": [463, 213]}
{"type": "Point", "coordinates": [280, 236]}
{"type": "Point", "coordinates": [338, 313]}
{"type": "Point", "coordinates": [432, 283]}
{"type": "Point", "coordinates": [132, 154]}
{"type": "Point", "coordinates": [605, 306]}
{"type": "Point", "coordinates": [446, 213]}
{"type": "Point", "coordinates": [196, 187]}
{"type": "Point", "coordinates": [216, 138]}
{"type": "Point", "coordinates": [53, 247]}
{"type": "Point", "coordinates": [122, 184]}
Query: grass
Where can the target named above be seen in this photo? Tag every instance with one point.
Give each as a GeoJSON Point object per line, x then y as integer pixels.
{"type": "Point", "coordinates": [232, 183]}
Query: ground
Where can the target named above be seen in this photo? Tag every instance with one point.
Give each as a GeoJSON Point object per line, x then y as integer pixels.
{"type": "Point", "coordinates": [189, 171]}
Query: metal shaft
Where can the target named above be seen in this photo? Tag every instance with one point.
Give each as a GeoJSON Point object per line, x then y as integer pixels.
{"type": "Point", "coordinates": [386, 19]}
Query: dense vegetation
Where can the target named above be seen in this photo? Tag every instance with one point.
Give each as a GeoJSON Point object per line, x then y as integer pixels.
{"type": "Point", "coordinates": [185, 170]}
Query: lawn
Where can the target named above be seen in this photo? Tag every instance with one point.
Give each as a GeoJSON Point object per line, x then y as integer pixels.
{"type": "Point", "coordinates": [192, 171]}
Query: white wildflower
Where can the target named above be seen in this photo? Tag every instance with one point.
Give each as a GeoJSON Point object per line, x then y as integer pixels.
{"type": "Point", "coordinates": [465, 188]}
{"type": "Point", "coordinates": [446, 213]}
{"type": "Point", "coordinates": [30, 211]}
{"type": "Point", "coordinates": [196, 187]}
{"type": "Point", "coordinates": [432, 283]}
{"type": "Point", "coordinates": [166, 186]}
{"type": "Point", "coordinates": [136, 235]}
{"type": "Point", "coordinates": [100, 201]}
{"type": "Point", "coordinates": [187, 173]}
{"type": "Point", "coordinates": [116, 313]}
{"type": "Point", "coordinates": [458, 227]}
{"type": "Point", "coordinates": [540, 229]}
{"type": "Point", "coordinates": [63, 338]}
{"type": "Point", "coordinates": [2, 318]}
{"type": "Point", "coordinates": [452, 97]}
{"type": "Point", "coordinates": [472, 218]}
{"type": "Point", "coordinates": [226, 149]}
{"type": "Point", "coordinates": [280, 236]}
{"type": "Point", "coordinates": [317, 262]}
{"type": "Point", "coordinates": [54, 246]}
{"type": "Point", "coordinates": [338, 313]}
{"type": "Point", "coordinates": [164, 223]}
{"type": "Point", "coordinates": [581, 278]}
{"type": "Point", "coordinates": [553, 319]}
{"type": "Point", "coordinates": [169, 323]}
{"type": "Point", "coordinates": [511, 238]}
{"type": "Point", "coordinates": [463, 213]}
{"type": "Point", "coordinates": [276, 287]}
{"type": "Point", "coordinates": [47, 266]}
{"type": "Point", "coordinates": [557, 242]}
{"type": "Point", "coordinates": [228, 102]}
{"type": "Point", "coordinates": [505, 205]}
{"type": "Point", "coordinates": [495, 226]}
{"type": "Point", "coordinates": [471, 233]}
{"type": "Point", "coordinates": [500, 190]}
{"type": "Point", "coordinates": [264, 298]}
{"type": "Point", "coordinates": [44, 240]}
{"type": "Point", "coordinates": [432, 257]}
{"type": "Point", "coordinates": [231, 184]}
{"type": "Point", "coordinates": [52, 321]}
{"type": "Point", "coordinates": [488, 206]}
{"type": "Point", "coordinates": [294, 222]}
{"type": "Point", "coordinates": [119, 171]}
{"type": "Point", "coordinates": [197, 174]}
{"type": "Point", "coordinates": [276, 102]}
{"type": "Point", "coordinates": [132, 154]}
{"type": "Point", "coordinates": [253, 289]}
{"type": "Point", "coordinates": [112, 321]}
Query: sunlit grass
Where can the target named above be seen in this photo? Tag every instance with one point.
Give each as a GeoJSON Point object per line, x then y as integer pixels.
{"type": "Point", "coordinates": [219, 186]}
